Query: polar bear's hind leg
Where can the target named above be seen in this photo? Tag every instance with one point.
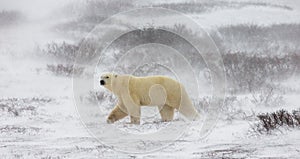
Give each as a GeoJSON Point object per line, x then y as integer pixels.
{"type": "Point", "coordinates": [186, 107]}
{"type": "Point", "coordinates": [166, 113]}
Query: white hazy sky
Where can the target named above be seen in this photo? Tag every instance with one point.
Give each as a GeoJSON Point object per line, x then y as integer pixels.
{"type": "Point", "coordinates": [40, 8]}
{"type": "Point", "coordinates": [32, 8]}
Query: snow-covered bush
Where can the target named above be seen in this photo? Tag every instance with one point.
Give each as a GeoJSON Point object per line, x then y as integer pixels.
{"type": "Point", "coordinates": [84, 50]}
{"type": "Point", "coordinates": [20, 106]}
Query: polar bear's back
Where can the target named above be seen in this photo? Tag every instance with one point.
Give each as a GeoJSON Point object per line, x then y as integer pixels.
{"type": "Point", "coordinates": [146, 82]}
{"type": "Point", "coordinates": [141, 86]}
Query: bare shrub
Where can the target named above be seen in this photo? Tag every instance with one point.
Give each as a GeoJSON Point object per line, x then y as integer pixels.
{"type": "Point", "coordinates": [202, 104]}
{"type": "Point", "coordinates": [275, 120]}
{"type": "Point", "coordinates": [231, 109]}
{"type": "Point", "coordinates": [296, 115]}
{"type": "Point", "coordinates": [266, 96]}
{"type": "Point", "coordinates": [65, 70]}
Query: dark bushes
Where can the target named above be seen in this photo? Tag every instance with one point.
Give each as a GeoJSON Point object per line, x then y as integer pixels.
{"type": "Point", "coordinates": [271, 121]}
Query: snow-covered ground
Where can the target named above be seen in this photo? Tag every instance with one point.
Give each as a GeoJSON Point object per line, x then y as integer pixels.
{"type": "Point", "coordinates": [39, 119]}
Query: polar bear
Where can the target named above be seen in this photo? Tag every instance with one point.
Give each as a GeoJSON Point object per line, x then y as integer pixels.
{"type": "Point", "coordinates": [133, 92]}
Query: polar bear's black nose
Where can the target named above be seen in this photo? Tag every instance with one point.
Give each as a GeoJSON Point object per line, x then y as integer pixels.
{"type": "Point", "coordinates": [102, 82]}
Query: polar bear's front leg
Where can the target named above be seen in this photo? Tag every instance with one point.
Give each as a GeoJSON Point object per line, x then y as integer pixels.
{"type": "Point", "coordinates": [134, 110]}
{"type": "Point", "coordinates": [116, 114]}
{"type": "Point", "coordinates": [133, 107]}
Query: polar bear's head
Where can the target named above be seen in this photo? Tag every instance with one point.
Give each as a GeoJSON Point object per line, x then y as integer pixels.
{"type": "Point", "coordinates": [107, 79]}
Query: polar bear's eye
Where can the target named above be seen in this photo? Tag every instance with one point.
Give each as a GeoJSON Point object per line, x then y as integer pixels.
{"type": "Point", "coordinates": [106, 77]}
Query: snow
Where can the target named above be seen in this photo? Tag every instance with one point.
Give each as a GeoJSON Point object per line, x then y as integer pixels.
{"type": "Point", "coordinates": [263, 16]}
{"type": "Point", "coordinates": [54, 129]}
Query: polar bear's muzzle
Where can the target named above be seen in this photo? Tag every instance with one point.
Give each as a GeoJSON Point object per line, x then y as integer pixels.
{"type": "Point", "coordinates": [102, 82]}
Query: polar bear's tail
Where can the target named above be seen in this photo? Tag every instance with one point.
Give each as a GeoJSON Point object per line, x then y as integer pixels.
{"type": "Point", "coordinates": [186, 106]}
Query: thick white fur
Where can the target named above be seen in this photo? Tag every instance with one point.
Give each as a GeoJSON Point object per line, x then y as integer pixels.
{"type": "Point", "coordinates": [134, 92]}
